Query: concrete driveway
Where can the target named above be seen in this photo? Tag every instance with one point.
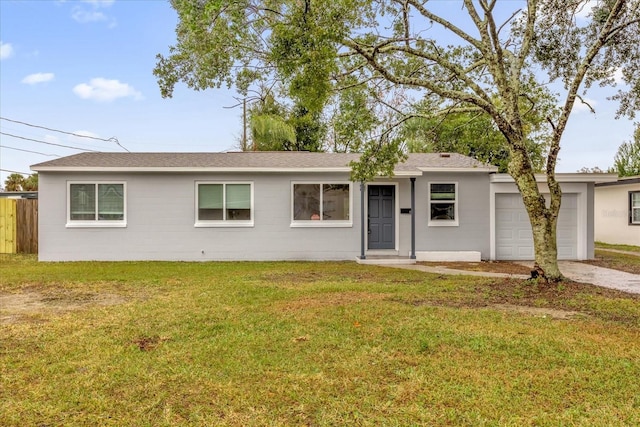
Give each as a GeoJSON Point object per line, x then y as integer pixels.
{"type": "Point", "coordinates": [601, 276]}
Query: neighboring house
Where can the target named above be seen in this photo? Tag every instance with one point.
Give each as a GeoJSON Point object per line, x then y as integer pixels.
{"type": "Point", "coordinates": [293, 206]}
{"type": "Point", "coordinates": [617, 211]}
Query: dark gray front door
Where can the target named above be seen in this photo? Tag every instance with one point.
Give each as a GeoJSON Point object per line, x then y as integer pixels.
{"type": "Point", "coordinates": [382, 221]}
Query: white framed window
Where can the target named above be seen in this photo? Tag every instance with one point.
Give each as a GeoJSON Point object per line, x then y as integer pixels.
{"type": "Point", "coordinates": [634, 207]}
{"type": "Point", "coordinates": [224, 204]}
{"type": "Point", "coordinates": [96, 204]}
{"type": "Point", "coordinates": [443, 204]}
{"type": "Point", "coordinates": [321, 204]}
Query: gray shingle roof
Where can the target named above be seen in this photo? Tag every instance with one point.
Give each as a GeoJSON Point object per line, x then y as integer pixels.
{"type": "Point", "coordinates": [248, 160]}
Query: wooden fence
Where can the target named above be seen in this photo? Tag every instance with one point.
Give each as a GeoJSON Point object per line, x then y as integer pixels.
{"type": "Point", "coordinates": [18, 226]}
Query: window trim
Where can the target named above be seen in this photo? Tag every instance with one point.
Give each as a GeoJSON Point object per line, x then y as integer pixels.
{"type": "Point", "coordinates": [456, 202]}
{"type": "Point", "coordinates": [96, 223]}
{"type": "Point", "coordinates": [223, 222]}
{"type": "Point", "coordinates": [312, 223]}
{"type": "Point", "coordinates": [631, 208]}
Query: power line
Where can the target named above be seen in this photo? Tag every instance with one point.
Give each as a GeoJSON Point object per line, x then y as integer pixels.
{"type": "Point", "coordinates": [112, 139]}
{"type": "Point", "coordinates": [9, 170]}
{"type": "Point", "coordinates": [28, 151]}
{"type": "Point", "coordinates": [49, 143]}
{"type": "Point", "coordinates": [35, 133]}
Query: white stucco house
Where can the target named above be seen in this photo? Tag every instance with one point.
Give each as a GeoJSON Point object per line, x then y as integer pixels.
{"type": "Point", "coordinates": [293, 206]}
{"type": "Point", "coordinates": [617, 211]}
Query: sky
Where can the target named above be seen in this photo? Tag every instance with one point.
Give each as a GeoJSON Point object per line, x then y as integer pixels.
{"type": "Point", "coordinates": [86, 67]}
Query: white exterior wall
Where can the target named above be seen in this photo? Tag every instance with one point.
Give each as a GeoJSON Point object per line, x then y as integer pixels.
{"type": "Point", "coordinates": [611, 210]}
{"type": "Point", "coordinates": [161, 218]}
{"type": "Point", "coordinates": [472, 231]}
{"type": "Point", "coordinates": [160, 211]}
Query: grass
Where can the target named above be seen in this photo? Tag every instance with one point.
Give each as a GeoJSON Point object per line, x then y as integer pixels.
{"type": "Point", "coordinates": [323, 344]}
{"type": "Point", "coordinates": [616, 260]}
{"type": "Point", "coordinates": [629, 248]}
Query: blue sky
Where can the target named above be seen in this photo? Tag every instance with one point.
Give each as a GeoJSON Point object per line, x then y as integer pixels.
{"type": "Point", "coordinates": [86, 67]}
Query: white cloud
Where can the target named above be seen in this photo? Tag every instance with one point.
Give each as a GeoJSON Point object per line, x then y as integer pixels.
{"type": "Point", "coordinates": [85, 133]}
{"type": "Point", "coordinates": [6, 50]}
{"type": "Point", "coordinates": [92, 13]}
{"type": "Point", "coordinates": [100, 3]}
{"type": "Point", "coordinates": [52, 138]}
{"type": "Point", "coordinates": [32, 79]}
{"type": "Point", "coordinates": [617, 76]}
{"type": "Point", "coordinates": [84, 16]}
{"type": "Point", "coordinates": [105, 90]}
{"type": "Point", "coordinates": [585, 9]}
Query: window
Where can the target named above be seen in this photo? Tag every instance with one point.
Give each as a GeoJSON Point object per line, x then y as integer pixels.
{"type": "Point", "coordinates": [443, 204]}
{"type": "Point", "coordinates": [634, 207]}
{"type": "Point", "coordinates": [224, 204]}
{"type": "Point", "coordinates": [326, 204]}
{"type": "Point", "coordinates": [96, 204]}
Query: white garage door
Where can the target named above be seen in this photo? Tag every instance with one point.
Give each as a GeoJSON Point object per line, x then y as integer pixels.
{"type": "Point", "coordinates": [514, 240]}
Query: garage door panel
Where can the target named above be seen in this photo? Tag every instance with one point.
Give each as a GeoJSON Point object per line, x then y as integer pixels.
{"type": "Point", "coordinates": [504, 216]}
{"type": "Point", "coordinates": [514, 239]}
{"type": "Point", "coordinates": [525, 253]}
{"type": "Point", "coordinates": [505, 234]}
{"type": "Point", "coordinates": [565, 253]}
{"type": "Point", "coordinates": [570, 202]}
{"type": "Point", "coordinates": [504, 252]}
{"type": "Point", "coordinates": [525, 235]}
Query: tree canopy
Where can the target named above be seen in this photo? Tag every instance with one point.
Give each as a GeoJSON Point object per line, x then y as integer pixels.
{"type": "Point", "coordinates": [627, 159]}
{"type": "Point", "coordinates": [14, 182]}
{"type": "Point", "coordinates": [17, 182]}
{"type": "Point", "coordinates": [424, 59]}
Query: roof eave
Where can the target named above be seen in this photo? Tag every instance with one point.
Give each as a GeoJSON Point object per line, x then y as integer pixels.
{"type": "Point", "coordinates": [459, 169]}
{"type": "Point", "coordinates": [562, 177]}
{"type": "Point", "coordinates": [183, 169]}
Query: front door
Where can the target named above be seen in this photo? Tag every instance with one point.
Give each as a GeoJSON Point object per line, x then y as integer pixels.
{"type": "Point", "coordinates": [382, 221]}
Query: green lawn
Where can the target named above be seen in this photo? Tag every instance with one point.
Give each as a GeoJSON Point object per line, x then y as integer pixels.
{"type": "Point", "coordinates": [628, 248]}
{"type": "Point", "coordinates": [322, 344]}
{"type": "Point", "coordinates": [627, 261]}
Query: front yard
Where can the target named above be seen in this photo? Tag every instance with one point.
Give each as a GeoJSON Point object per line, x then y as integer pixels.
{"type": "Point", "coordinates": [282, 344]}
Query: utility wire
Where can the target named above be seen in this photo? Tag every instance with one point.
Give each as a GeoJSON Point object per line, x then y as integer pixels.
{"type": "Point", "coordinates": [34, 133]}
{"type": "Point", "coordinates": [112, 139]}
{"type": "Point", "coordinates": [12, 171]}
{"type": "Point", "coordinates": [49, 143]}
{"type": "Point", "coordinates": [28, 151]}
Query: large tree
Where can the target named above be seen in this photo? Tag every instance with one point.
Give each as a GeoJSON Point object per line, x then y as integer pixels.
{"type": "Point", "coordinates": [30, 183]}
{"type": "Point", "coordinates": [470, 56]}
{"type": "Point", "coordinates": [14, 182]}
{"type": "Point", "coordinates": [627, 159]}
{"type": "Point", "coordinates": [470, 134]}
{"type": "Point", "coordinates": [276, 127]}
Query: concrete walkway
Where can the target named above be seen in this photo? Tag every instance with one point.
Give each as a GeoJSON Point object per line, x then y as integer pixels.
{"type": "Point", "coordinates": [576, 271]}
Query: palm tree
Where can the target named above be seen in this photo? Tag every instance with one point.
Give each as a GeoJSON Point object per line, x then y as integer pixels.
{"type": "Point", "coordinates": [271, 133]}
{"type": "Point", "coordinates": [14, 182]}
{"type": "Point", "coordinates": [31, 183]}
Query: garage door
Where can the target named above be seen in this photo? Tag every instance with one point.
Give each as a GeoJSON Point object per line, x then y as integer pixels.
{"type": "Point", "coordinates": [514, 240]}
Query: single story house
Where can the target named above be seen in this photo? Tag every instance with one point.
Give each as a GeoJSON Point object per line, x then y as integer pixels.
{"type": "Point", "coordinates": [617, 211]}
{"type": "Point", "coordinates": [293, 206]}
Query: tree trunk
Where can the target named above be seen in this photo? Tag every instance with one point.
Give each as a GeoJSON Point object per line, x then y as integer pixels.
{"type": "Point", "coordinates": [543, 219]}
